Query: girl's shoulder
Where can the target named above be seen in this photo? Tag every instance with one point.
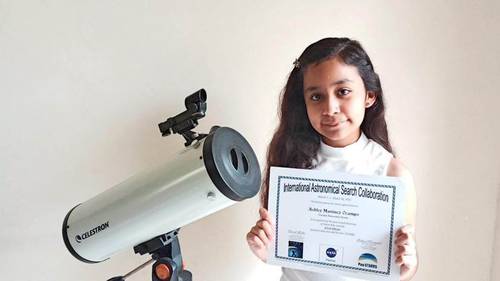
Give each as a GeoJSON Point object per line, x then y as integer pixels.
{"type": "Point", "coordinates": [374, 148]}
{"type": "Point", "coordinates": [397, 169]}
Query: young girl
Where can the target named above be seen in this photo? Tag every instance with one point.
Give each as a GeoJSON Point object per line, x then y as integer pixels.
{"type": "Point", "coordinates": [332, 119]}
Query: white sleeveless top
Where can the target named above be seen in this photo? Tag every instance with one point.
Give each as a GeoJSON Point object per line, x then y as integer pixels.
{"type": "Point", "coordinates": [364, 157]}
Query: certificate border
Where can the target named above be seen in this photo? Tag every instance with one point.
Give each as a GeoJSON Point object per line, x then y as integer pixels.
{"type": "Point", "coordinates": [388, 272]}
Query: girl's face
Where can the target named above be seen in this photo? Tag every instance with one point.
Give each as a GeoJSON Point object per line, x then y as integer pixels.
{"type": "Point", "coordinates": [336, 99]}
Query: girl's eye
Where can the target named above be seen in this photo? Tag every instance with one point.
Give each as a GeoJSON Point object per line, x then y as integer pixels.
{"type": "Point", "coordinates": [315, 97]}
{"type": "Point", "coordinates": [344, 92]}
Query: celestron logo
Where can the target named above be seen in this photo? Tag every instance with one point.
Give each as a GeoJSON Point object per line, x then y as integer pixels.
{"type": "Point", "coordinates": [91, 232]}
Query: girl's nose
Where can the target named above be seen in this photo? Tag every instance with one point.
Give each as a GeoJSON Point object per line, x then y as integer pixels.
{"type": "Point", "coordinates": [332, 106]}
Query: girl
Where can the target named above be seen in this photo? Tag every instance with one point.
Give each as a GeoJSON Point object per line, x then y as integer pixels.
{"type": "Point", "coordinates": [332, 119]}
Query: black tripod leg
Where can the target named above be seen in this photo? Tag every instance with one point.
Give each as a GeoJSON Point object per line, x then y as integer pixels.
{"type": "Point", "coordinates": [185, 276]}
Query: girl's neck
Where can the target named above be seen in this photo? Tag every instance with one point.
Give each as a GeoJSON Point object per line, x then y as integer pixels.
{"type": "Point", "coordinates": [348, 140]}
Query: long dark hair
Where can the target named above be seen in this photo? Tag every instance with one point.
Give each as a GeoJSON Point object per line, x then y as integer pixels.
{"type": "Point", "coordinates": [295, 143]}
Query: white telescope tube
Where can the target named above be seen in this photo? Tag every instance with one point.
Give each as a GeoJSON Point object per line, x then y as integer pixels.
{"type": "Point", "coordinates": [206, 177]}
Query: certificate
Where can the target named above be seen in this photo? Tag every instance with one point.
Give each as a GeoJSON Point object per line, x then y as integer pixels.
{"type": "Point", "coordinates": [335, 223]}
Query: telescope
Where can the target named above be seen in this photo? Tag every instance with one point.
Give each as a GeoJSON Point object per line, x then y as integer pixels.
{"type": "Point", "coordinates": [145, 212]}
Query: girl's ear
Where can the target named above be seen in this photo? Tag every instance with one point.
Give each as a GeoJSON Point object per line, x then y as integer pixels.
{"type": "Point", "coordinates": [370, 99]}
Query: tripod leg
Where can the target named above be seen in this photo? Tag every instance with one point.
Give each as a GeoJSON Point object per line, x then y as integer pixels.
{"type": "Point", "coordinates": [185, 276]}
{"type": "Point", "coordinates": [122, 278]}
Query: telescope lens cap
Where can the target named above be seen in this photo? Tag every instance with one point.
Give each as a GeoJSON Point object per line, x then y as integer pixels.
{"type": "Point", "coordinates": [231, 164]}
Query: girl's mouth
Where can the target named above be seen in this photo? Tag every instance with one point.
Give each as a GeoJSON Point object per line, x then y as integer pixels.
{"type": "Point", "coordinates": [334, 123]}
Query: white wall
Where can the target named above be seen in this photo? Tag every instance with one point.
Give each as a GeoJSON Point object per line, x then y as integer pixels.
{"type": "Point", "coordinates": [84, 83]}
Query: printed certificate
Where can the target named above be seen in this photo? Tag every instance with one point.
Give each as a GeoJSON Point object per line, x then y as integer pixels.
{"type": "Point", "coordinates": [335, 223]}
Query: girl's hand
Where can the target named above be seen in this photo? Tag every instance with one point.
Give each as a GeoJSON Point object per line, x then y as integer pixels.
{"type": "Point", "coordinates": [406, 252]}
{"type": "Point", "coordinates": [261, 234]}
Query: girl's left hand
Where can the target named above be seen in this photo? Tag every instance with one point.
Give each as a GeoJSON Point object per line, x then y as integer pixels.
{"type": "Point", "coordinates": [406, 251]}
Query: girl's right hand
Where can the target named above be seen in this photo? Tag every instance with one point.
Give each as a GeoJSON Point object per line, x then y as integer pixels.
{"type": "Point", "coordinates": [261, 235]}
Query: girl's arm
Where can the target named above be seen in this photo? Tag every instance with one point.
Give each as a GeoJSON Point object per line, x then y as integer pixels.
{"type": "Point", "coordinates": [406, 250]}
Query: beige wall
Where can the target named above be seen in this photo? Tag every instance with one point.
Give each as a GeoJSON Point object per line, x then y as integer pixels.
{"type": "Point", "coordinates": [84, 83]}
{"type": "Point", "coordinates": [495, 262]}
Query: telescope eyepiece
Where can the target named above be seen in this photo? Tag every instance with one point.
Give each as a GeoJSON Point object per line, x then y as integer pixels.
{"type": "Point", "coordinates": [198, 97]}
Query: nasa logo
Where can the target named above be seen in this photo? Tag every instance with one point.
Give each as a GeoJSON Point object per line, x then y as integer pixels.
{"type": "Point", "coordinates": [331, 252]}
